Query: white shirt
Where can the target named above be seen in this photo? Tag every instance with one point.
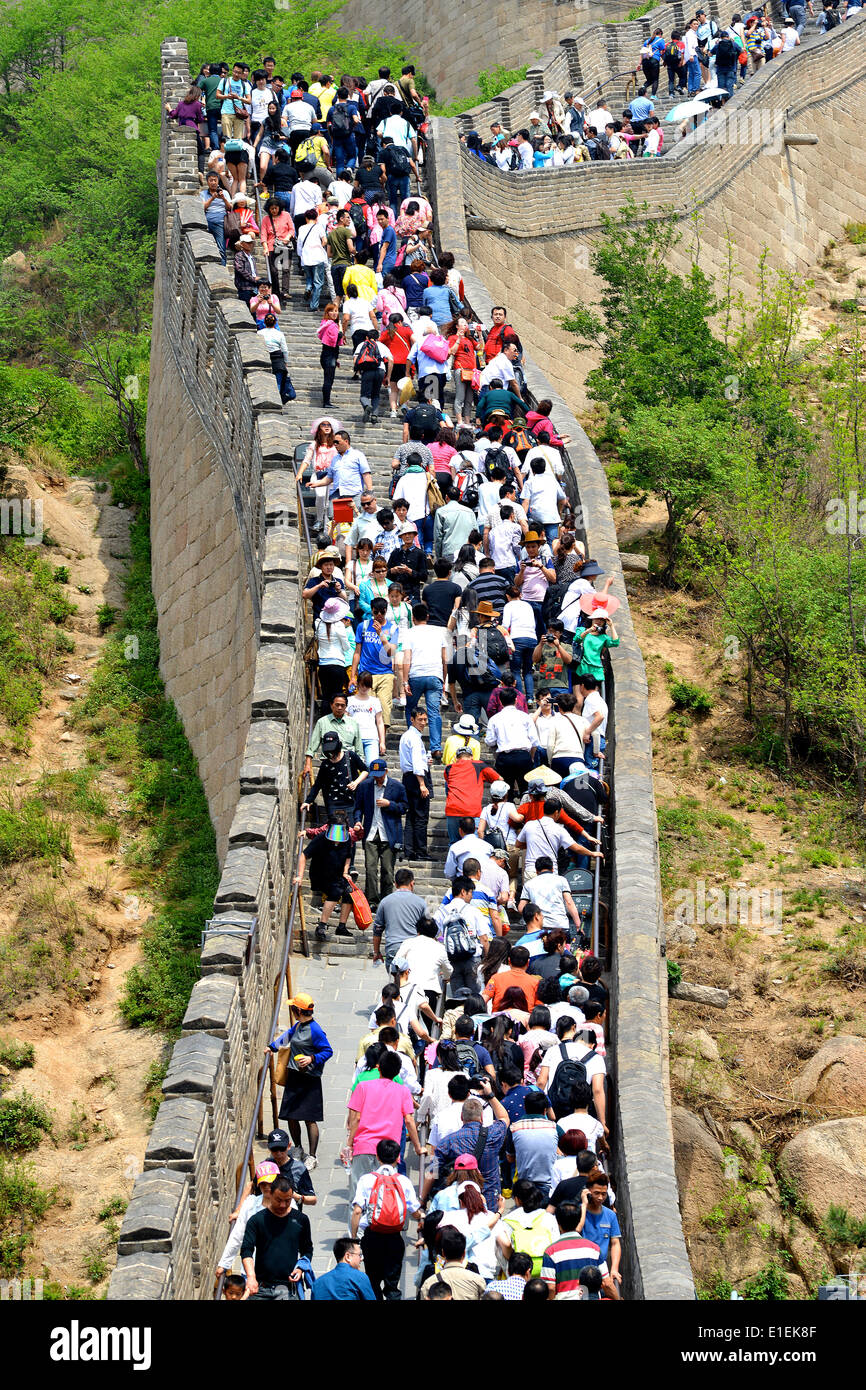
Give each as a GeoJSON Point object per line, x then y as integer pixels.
{"type": "Point", "coordinates": [426, 961]}
{"type": "Point", "coordinates": [576, 1049]}
{"type": "Point", "coordinates": [408, 1075]}
{"type": "Point", "coordinates": [546, 892]}
{"type": "Point", "coordinates": [413, 755]}
{"type": "Point", "coordinates": [338, 650]}
{"type": "Point", "coordinates": [518, 618]}
{"type": "Point", "coordinates": [298, 115]}
{"type": "Point", "coordinates": [413, 486]}
{"type": "Point", "coordinates": [364, 714]}
{"type": "Point", "coordinates": [311, 241]}
{"type": "Point", "coordinates": [511, 731]}
{"type": "Point", "coordinates": [358, 311]}
{"type": "Point", "coordinates": [477, 924]}
{"type": "Point", "coordinates": [399, 129]}
{"type": "Point", "coordinates": [542, 837]}
{"type": "Point", "coordinates": [342, 191]}
{"type": "Point", "coordinates": [494, 880]}
{"type": "Point", "coordinates": [599, 118]}
{"type": "Point", "coordinates": [540, 495]}
{"type": "Point", "coordinates": [549, 455]}
{"type": "Point", "coordinates": [470, 847]}
{"type": "Point", "coordinates": [260, 98]}
{"type": "Point", "coordinates": [449, 1120]}
{"type": "Point", "coordinates": [653, 140]}
{"type": "Point", "coordinates": [426, 644]}
{"type": "Point", "coordinates": [276, 341]}
{"type": "Point", "coordinates": [591, 1127]}
{"type": "Point", "coordinates": [567, 737]}
{"type": "Point", "coordinates": [593, 705]}
{"type": "Point", "coordinates": [365, 1188]}
{"type": "Point", "coordinates": [690, 39]}
{"type": "Point", "coordinates": [504, 544]}
{"type": "Point", "coordinates": [499, 368]}
{"type": "Point", "coordinates": [526, 152]}
{"type": "Point", "coordinates": [494, 519]}
{"type": "Point", "coordinates": [544, 729]}
{"type": "Point", "coordinates": [496, 817]}
{"type": "Point", "coordinates": [249, 1207]}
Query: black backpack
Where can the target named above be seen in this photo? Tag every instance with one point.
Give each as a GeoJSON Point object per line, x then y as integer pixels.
{"type": "Point", "coordinates": [359, 222]}
{"type": "Point", "coordinates": [369, 356]}
{"type": "Point", "coordinates": [726, 53]}
{"type": "Point", "coordinates": [340, 118]}
{"type": "Point", "coordinates": [567, 1075]}
{"type": "Point", "coordinates": [467, 1057]}
{"type": "Point", "coordinates": [498, 458]}
{"type": "Point", "coordinates": [397, 161]}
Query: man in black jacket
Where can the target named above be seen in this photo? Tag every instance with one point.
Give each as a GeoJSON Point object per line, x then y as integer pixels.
{"type": "Point", "coordinates": [408, 564]}
{"type": "Point", "coordinates": [280, 1236]}
{"type": "Point", "coordinates": [380, 804]}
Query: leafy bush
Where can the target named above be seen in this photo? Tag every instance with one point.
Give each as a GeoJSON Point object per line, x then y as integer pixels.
{"type": "Point", "coordinates": [22, 1203]}
{"type": "Point", "coordinates": [840, 1228]}
{"type": "Point", "coordinates": [23, 1122]}
{"type": "Point", "coordinates": [685, 695]}
{"type": "Point", "coordinates": [16, 1054]}
{"type": "Point", "coordinates": [856, 233]}
{"type": "Point", "coordinates": [675, 973]}
{"type": "Point", "coordinates": [769, 1285]}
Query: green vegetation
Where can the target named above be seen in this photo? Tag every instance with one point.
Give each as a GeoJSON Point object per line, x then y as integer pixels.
{"type": "Point", "coordinates": [675, 973]}
{"type": "Point", "coordinates": [32, 641]}
{"type": "Point", "coordinates": [639, 11]}
{"type": "Point", "coordinates": [856, 233]}
{"type": "Point", "coordinates": [491, 81]}
{"type": "Point", "coordinates": [840, 1228]}
{"type": "Point", "coordinates": [22, 1204]}
{"type": "Point", "coordinates": [115, 1206]}
{"type": "Point", "coordinates": [769, 1285]}
{"type": "Point", "coordinates": [23, 1122]}
{"type": "Point", "coordinates": [691, 697]}
{"type": "Point", "coordinates": [136, 729]}
{"type": "Point", "coordinates": [156, 1074]}
{"type": "Point", "coordinates": [66, 1293]}
{"type": "Point", "coordinates": [695, 839]}
{"type": "Point", "coordinates": [16, 1054]}
{"type": "Point", "coordinates": [94, 1265]}
{"type": "Point", "coordinates": [717, 422]}
{"type": "Point", "coordinates": [29, 831]}
{"type": "Point", "coordinates": [847, 961]}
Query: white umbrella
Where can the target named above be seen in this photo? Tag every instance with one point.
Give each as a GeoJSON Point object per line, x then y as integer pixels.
{"type": "Point", "coordinates": [686, 108]}
{"type": "Point", "coordinates": [709, 93]}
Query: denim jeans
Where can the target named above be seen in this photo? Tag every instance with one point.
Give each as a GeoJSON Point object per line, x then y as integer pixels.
{"type": "Point", "coordinates": [398, 189]}
{"type": "Point", "coordinates": [214, 129]}
{"type": "Point", "coordinates": [726, 77]}
{"type": "Point", "coordinates": [431, 688]}
{"type": "Point", "coordinates": [551, 531]}
{"type": "Point", "coordinates": [474, 701]}
{"type": "Point", "coordinates": [521, 665]}
{"type": "Point", "coordinates": [315, 278]}
{"type": "Point", "coordinates": [218, 232]}
{"type": "Point", "coordinates": [693, 72]}
{"type": "Point", "coordinates": [453, 826]}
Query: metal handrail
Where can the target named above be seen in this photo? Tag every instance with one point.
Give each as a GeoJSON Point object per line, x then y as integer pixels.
{"type": "Point", "coordinates": [287, 949]}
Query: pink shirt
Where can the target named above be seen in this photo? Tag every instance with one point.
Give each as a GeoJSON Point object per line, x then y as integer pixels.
{"type": "Point", "coordinates": [381, 1105]}
{"type": "Point", "coordinates": [328, 332]}
{"type": "Point", "coordinates": [442, 455]}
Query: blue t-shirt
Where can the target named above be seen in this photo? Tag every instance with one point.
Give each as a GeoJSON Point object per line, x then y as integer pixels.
{"type": "Point", "coordinates": [344, 1283]}
{"type": "Point", "coordinates": [374, 658]}
{"type": "Point", "coordinates": [389, 238]}
{"type": "Point", "coordinates": [658, 47]}
{"type": "Point", "coordinates": [601, 1229]}
{"type": "Point", "coordinates": [640, 108]}
{"type": "Point", "coordinates": [437, 298]}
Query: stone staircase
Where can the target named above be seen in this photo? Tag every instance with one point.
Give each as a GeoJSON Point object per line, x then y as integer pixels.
{"type": "Point", "coordinates": [378, 443]}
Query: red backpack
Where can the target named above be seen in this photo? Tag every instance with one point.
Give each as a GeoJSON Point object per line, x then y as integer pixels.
{"type": "Point", "coordinates": [387, 1203]}
{"type": "Point", "coordinates": [369, 356]}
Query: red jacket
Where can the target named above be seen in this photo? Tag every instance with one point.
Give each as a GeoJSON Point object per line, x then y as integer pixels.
{"type": "Point", "coordinates": [464, 784]}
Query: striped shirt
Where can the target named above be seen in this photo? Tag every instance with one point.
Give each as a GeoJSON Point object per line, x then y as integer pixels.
{"type": "Point", "coordinates": [566, 1257]}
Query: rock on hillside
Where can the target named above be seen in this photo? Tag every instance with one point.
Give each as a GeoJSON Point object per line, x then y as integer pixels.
{"type": "Point", "coordinates": [827, 1165]}
{"type": "Point", "coordinates": [835, 1078]}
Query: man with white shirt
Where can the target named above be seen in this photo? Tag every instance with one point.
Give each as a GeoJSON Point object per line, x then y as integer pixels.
{"type": "Point", "coordinates": [544, 838]}
{"type": "Point", "coordinates": [600, 117]}
{"type": "Point", "coordinates": [426, 960]}
{"type": "Point", "coordinates": [450, 1118]}
{"type": "Point", "coordinates": [298, 116]}
{"type": "Point", "coordinates": [513, 734]}
{"type": "Point", "coordinates": [573, 1049]}
{"type": "Point", "coordinates": [551, 892]}
{"type": "Point", "coordinates": [501, 367]}
{"type": "Point", "coordinates": [348, 473]}
{"type": "Point", "coordinates": [467, 846]}
{"type": "Point", "coordinates": [415, 767]}
{"type": "Point", "coordinates": [425, 672]}
{"type": "Point", "coordinates": [594, 714]}
{"type": "Point", "coordinates": [312, 250]}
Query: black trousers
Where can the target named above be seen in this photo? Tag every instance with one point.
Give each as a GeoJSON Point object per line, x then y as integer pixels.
{"type": "Point", "coordinates": [415, 835]}
{"type": "Point", "coordinates": [383, 1263]}
{"type": "Point", "coordinates": [328, 360]}
{"type": "Point", "coordinates": [651, 73]}
{"type": "Point", "coordinates": [512, 767]}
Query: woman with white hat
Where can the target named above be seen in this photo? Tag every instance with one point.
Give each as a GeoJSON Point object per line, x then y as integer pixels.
{"type": "Point", "coordinates": [336, 645]}
{"type": "Point", "coordinates": [555, 112]}
{"type": "Point", "coordinates": [463, 735]}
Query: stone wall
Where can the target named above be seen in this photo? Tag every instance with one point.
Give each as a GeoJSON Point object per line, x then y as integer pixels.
{"type": "Point", "coordinates": [655, 1261]}
{"type": "Point", "coordinates": [225, 541]}
{"type": "Point", "coordinates": [530, 233]}
{"type": "Point", "coordinates": [454, 43]}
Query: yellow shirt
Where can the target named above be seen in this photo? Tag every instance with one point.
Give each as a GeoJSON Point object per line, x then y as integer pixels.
{"type": "Point", "coordinates": [314, 147]}
{"type": "Point", "coordinates": [364, 278]}
{"type": "Point", "coordinates": [456, 741]}
{"type": "Point", "coordinates": [327, 96]}
{"type": "Point", "coordinates": [403, 1045]}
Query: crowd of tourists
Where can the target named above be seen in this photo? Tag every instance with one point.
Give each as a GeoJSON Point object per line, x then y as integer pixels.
{"type": "Point", "coordinates": [704, 61]}
{"type": "Point", "coordinates": [462, 593]}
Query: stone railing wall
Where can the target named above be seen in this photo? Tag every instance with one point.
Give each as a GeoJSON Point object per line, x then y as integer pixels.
{"type": "Point", "coordinates": [530, 233]}
{"type": "Point", "coordinates": [655, 1259]}
{"type": "Point", "coordinates": [226, 552]}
